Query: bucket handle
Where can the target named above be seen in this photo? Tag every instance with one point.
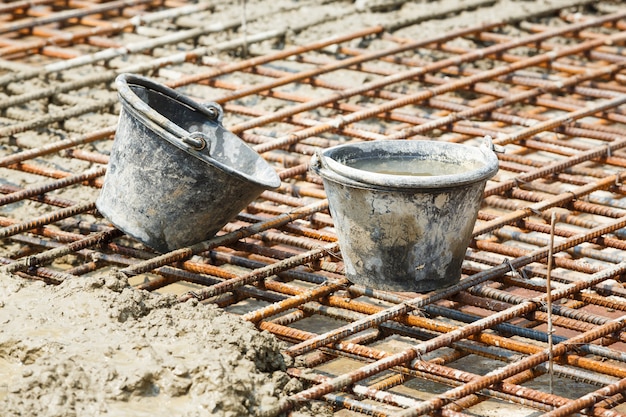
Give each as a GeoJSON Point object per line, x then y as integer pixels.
{"type": "Point", "coordinates": [197, 140]}
{"type": "Point", "coordinates": [318, 161]}
{"type": "Point", "coordinates": [488, 145]}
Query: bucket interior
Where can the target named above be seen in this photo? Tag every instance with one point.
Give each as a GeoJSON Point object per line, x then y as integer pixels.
{"type": "Point", "coordinates": [174, 116]}
{"type": "Point", "coordinates": [184, 115]}
{"type": "Point", "coordinates": [414, 164]}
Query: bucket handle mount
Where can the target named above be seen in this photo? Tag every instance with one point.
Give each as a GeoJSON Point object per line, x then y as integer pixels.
{"type": "Point", "coordinates": [197, 140]}
{"type": "Point", "coordinates": [200, 140]}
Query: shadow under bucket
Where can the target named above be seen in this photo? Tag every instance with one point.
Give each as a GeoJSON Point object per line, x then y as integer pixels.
{"type": "Point", "coordinates": [176, 176]}
{"type": "Point", "coordinates": [404, 211]}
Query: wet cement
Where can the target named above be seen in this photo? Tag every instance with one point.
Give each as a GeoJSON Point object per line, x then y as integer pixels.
{"type": "Point", "coordinates": [95, 346]}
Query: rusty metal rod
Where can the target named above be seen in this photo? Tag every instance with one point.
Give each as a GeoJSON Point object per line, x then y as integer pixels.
{"type": "Point", "coordinates": [56, 116]}
{"type": "Point", "coordinates": [440, 294]}
{"type": "Point", "coordinates": [508, 328]}
{"type": "Point", "coordinates": [344, 94]}
{"type": "Point", "coordinates": [260, 273]}
{"type": "Point", "coordinates": [413, 328]}
{"type": "Point", "coordinates": [55, 147]}
{"type": "Point", "coordinates": [185, 253]}
{"type": "Point", "coordinates": [54, 185]}
{"type": "Point", "coordinates": [545, 204]}
{"type": "Point", "coordinates": [424, 347]}
{"type": "Point", "coordinates": [42, 198]}
{"type": "Point", "coordinates": [425, 370]}
{"type": "Point", "coordinates": [292, 302]}
{"type": "Point", "coordinates": [111, 28]}
{"type": "Point", "coordinates": [363, 391]}
{"type": "Point", "coordinates": [70, 14]}
{"type": "Point", "coordinates": [156, 63]}
{"type": "Point", "coordinates": [52, 254]}
{"type": "Point", "coordinates": [341, 121]}
{"type": "Point", "coordinates": [487, 338]}
{"type": "Point", "coordinates": [47, 275]}
{"type": "Point", "coordinates": [588, 400]}
{"type": "Point", "coordinates": [461, 109]}
{"type": "Point", "coordinates": [506, 371]}
{"type": "Point", "coordinates": [24, 5]}
{"type": "Point", "coordinates": [46, 219]}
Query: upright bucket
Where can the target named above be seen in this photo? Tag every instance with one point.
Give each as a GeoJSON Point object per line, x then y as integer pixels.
{"type": "Point", "coordinates": [176, 176]}
{"type": "Point", "coordinates": [404, 211]}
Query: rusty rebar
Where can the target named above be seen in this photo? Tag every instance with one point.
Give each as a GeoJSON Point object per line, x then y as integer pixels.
{"type": "Point", "coordinates": [260, 273]}
{"type": "Point", "coordinates": [504, 372]}
{"type": "Point", "coordinates": [562, 89]}
{"type": "Point", "coordinates": [548, 203]}
{"type": "Point", "coordinates": [412, 353]}
{"type": "Point", "coordinates": [185, 253]}
{"type": "Point", "coordinates": [450, 377]}
{"type": "Point", "coordinates": [52, 254]}
{"type": "Point", "coordinates": [341, 121]}
{"type": "Point", "coordinates": [46, 219]}
{"type": "Point", "coordinates": [70, 14]}
{"type": "Point", "coordinates": [440, 294]}
{"type": "Point", "coordinates": [54, 185]}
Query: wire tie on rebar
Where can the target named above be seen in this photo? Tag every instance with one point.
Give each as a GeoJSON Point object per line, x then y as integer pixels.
{"type": "Point", "coordinates": [334, 254]}
{"type": "Point", "coordinates": [610, 400]}
{"type": "Point", "coordinates": [519, 181]}
{"type": "Point", "coordinates": [515, 272]}
{"type": "Point", "coordinates": [194, 295]}
{"type": "Point", "coordinates": [418, 357]}
{"type": "Point", "coordinates": [418, 312]}
{"type": "Point", "coordinates": [522, 272]}
{"type": "Point", "coordinates": [575, 348]}
{"type": "Point", "coordinates": [337, 122]}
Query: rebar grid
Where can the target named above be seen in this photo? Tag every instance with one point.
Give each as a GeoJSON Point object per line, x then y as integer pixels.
{"type": "Point", "coordinates": [550, 95]}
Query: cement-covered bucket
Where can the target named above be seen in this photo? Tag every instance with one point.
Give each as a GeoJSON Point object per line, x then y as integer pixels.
{"type": "Point", "coordinates": [403, 210]}
{"type": "Point", "coordinates": [176, 176]}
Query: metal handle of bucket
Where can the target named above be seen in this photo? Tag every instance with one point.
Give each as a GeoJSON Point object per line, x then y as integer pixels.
{"type": "Point", "coordinates": [197, 140]}
{"type": "Point", "coordinates": [318, 161]}
{"type": "Point", "coordinates": [488, 145]}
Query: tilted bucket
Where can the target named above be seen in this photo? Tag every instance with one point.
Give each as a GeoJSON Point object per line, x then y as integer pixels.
{"type": "Point", "coordinates": [176, 176]}
{"type": "Point", "coordinates": [404, 211]}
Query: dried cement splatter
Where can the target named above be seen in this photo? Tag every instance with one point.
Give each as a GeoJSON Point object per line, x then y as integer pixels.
{"type": "Point", "coordinates": [95, 346]}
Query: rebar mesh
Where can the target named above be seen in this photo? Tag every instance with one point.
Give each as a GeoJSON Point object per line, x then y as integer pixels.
{"type": "Point", "coordinates": [551, 96]}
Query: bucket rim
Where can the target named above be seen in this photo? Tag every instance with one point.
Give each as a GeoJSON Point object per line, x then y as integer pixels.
{"type": "Point", "coordinates": [174, 134]}
{"type": "Point", "coordinates": [325, 165]}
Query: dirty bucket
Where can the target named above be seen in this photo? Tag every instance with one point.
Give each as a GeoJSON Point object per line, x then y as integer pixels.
{"type": "Point", "coordinates": [176, 176]}
{"type": "Point", "coordinates": [403, 210]}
